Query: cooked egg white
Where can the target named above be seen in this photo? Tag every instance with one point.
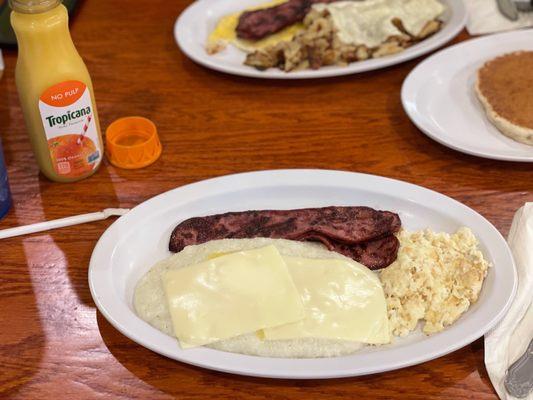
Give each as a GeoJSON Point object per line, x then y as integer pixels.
{"type": "Point", "coordinates": [369, 22]}
{"type": "Point", "coordinates": [225, 33]}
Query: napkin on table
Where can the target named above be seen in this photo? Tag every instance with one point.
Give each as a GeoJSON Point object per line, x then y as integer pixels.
{"type": "Point", "coordinates": [484, 17]}
{"type": "Point", "coordinates": [505, 343]}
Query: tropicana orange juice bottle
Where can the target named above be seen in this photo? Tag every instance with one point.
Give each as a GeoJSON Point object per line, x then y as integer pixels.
{"type": "Point", "coordinates": [55, 92]}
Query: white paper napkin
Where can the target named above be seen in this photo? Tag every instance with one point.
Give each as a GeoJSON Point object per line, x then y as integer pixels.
{"type": "Point", "coordinates": [484, 17]}
{"type": "Point", "coordinates": [509, 339]}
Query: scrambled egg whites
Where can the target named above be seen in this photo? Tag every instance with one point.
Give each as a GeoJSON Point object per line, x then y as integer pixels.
{"type": "Point", "coordinates": [436, 277]}
{"type": "Point", "coordinates": [225, 33]}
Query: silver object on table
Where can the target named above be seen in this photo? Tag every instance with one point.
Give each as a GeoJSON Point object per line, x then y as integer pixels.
{"type": "Point", "coordinates": [508, 9]}
{"type": "Point", "coordinates": [519, 379]}
{"type": "Point", "coordinates": [523, 5]}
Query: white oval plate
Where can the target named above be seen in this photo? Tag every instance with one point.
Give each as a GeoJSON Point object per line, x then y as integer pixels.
{"type": "Point", "coordinates": [130, 246]}
{"type": "Point", "coordinates": [195, 23]}
{"type": "Point", "coordinates": [439, 97]}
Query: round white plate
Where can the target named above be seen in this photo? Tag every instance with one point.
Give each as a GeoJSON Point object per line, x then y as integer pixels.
{"type": "Point", "coordinates": [195, 23]}
{"type": "Point", "coordinates": [439, 97]}
{"type": "Point", "coordinates": [130, 246]}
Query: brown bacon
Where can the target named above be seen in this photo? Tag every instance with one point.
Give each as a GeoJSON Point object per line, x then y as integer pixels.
{"type": "Point", "coordinates": [256, 24]}
{"type": "Point", "coordinates": [361, 233]}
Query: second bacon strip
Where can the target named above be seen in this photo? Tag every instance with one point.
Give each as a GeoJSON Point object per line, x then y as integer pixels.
{"type": "Point", "coordinates": [361, 233]}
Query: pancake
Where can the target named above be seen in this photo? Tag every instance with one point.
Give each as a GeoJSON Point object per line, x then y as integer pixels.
{"type": "Point", "coordinates": [151, 305]}
{"type": "Point", "coordinates": [505, 89]}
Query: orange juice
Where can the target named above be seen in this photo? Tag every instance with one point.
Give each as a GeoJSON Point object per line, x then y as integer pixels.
{"type": "Point", "coordinates": [55, 92]}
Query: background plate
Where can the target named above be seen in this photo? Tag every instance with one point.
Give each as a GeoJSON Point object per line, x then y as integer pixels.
{"type": "Point", "coordinates": [439, 97]}
{"type": "Point", "coordinates": [199, 19]}
{"type": "Point", "coordinates": [132, 244]}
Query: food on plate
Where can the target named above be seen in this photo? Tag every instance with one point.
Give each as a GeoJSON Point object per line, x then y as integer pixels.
{"type": "Point", "coordinates": [225, 33]}
{"type": "Point", "coordinates": [342, 32]}
{"type": "Point", "coordinates": [342, 299]}
{"type": "Point", "coordinates": [504, 87]}
{"type": "Point", "coordinates": [284, 283]}
{"type": "Point", "coordinates": [346, 288]}
{"type": "Point", "coordinates": [256, 24]}
{"type": "Point", "coordinates": [361, 233]}
{"type": "Point", "coordinates": [333, 32]}
{"type": "Point", "coordinates": [230, 295]}
{"type": "Point", "coordinates": [436, 278]}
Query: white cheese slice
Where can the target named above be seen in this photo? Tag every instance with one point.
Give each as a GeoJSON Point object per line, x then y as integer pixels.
{"type": "Point", "coordinates": [343, 300]}
{"type": "Point", "coordinates": [231, 295]}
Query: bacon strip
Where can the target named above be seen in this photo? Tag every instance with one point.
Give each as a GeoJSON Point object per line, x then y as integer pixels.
{"type": "Point", "coordinates": [257, 24]}
{"type": "Point", "coordinates": [361, 233]}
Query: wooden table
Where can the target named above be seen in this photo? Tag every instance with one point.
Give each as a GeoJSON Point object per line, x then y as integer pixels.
{"type": "Point", "coordinates": [53, 342]}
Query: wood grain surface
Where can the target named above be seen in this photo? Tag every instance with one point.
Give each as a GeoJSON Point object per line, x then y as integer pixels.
{"type": "Point", "coordinates": [54, 344]}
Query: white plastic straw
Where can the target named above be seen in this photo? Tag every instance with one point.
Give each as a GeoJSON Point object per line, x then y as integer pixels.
{"type": "Point", "coordinates": [60, 223]}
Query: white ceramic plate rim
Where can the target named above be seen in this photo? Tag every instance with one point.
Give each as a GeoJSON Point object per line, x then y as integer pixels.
{"type": "Point", "coordinates": [188, 17]}
{"type": "Point", "coordinates": [410, 85]}
{"type": "Point", "coordinates": [123, 318]}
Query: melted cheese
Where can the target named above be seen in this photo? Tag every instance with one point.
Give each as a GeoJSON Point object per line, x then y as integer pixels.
{"type": "Point", "coordinates": [369, 22]}
{"type": "Point", "coordinates": [342, 299]}
{"type": "Point", "coordinates": [225, 32]}
{"type": "Point", "coordinates": [231, 295]}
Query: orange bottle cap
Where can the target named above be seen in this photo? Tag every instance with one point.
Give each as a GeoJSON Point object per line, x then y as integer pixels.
{"type": "Point", "coordinates": [132, 142]}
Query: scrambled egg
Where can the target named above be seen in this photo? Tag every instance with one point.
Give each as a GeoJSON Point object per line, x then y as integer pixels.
{"type": "Point", "coordinates": [225, 33]}
{"type": "Point", "coordinates": [436, 277]}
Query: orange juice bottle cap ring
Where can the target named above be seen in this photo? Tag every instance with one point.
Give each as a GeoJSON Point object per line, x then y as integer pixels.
{"type": "Point", "coordinates": [132, 142]}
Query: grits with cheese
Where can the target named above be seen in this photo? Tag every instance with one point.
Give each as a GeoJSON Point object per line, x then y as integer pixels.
{"type": "Point", "coordinates": [234, 295]}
